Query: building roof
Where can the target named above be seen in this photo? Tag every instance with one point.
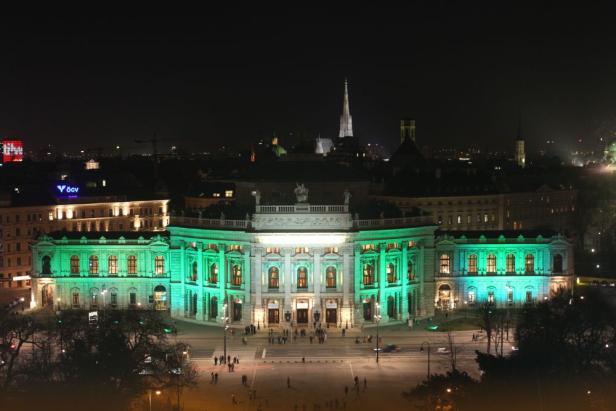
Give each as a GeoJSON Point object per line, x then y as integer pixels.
{"type": "Point", "coordinates": [109, 235]}
{"type": "Point", "coordinates": [493, 234]}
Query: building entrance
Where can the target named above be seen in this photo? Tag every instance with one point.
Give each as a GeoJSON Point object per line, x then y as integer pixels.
{"type": "Point", "coordinates": [367, 311]}
{"type": "Point", "coordinates": [331, 315]}
{"type": "Point", "coordinates": [302, 315]}
{"type": "Point", "coordinates": [273, 316]}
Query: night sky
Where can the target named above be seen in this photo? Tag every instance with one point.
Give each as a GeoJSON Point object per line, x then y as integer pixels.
{"type": "Point", "coordinates": [463, 72]}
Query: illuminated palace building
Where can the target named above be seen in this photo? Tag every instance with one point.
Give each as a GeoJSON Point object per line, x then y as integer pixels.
{"type": "Point", "coordinates": [297, 264]}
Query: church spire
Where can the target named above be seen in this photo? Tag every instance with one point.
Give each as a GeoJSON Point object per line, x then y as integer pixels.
{"type": "Point", "coordinates": [346, 122]}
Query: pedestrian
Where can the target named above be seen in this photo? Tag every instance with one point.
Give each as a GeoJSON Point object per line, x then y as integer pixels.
{"type": "Point", "coordinates": [215, 378]}
{"type": "Point", "coordinates": [212, 381]}
{"type": "Point", "coordinates": [215, 360]}
{"type": "Point", "coordinates": [346, 390]}
{"type": "Point", "coordinates": [228, 358]}
{"type": "Point", "coordinates": [311, 339]}
{"type": "Point", "coordinates": [343, 332]}
{"type": "Point", "coordinates": [233, 400]}
{"type": "Point", "coordinates": [356, 380]}
{"type": "Point", "coordinates": [238, 360]}
{"type": "Point", "coordinates": [365, 384]}
{"type": "Point", "coordinates": [288, 382]}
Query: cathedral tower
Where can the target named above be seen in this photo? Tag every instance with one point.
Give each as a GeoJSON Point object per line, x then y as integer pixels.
{"type": "Point", "coordinates": [346, 122]}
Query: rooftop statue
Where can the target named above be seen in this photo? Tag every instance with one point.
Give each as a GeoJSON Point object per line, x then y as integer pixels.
{"type": "Point", "coordinates": [301, 192]}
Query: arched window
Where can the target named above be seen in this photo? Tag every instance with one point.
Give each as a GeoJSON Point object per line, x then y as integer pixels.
{"type": "Point", "coordinates": [273, 277]}
{"type": "Point", "coordinates": [491, 264]}
{"type": "Point", "coordinates": [94, 297]}
{"type": "Point", "coordinates": [409, 270]}
{"type": "Point", "coordinates": [302, 277]}
{"type": "Point", "coordinates": [472, 295]}
{"type": "Point", "coordinates": [195, 269]}
{"type": "Point", "coordinates": [159, 265]}
{"type": "Point", "coordinates": [529, 263]}
{"type": "Point", "coordinates": [391, 307]}
{"type": "Point", "coordinates": [93, 265]}
{"type": "Point", "coordinates": [330, 277]}
{"type": "Point", "coordinates": [491, 297]}
{"type": "Point", "coordinates": [113, 297]}
{"type": "Point", "coordinates": [75, 302]}
{"type": "Point", "coordinates": [236, 275]}
{"type": "Point", "coordinates": [131, 263]}
{"type": "Point", "coordinates": [529, 296]}
{"type": "Point", "coordinates": [472, 264]}
{"type": "Point", "coordinates": [160, 298]}
{"type": "Point", "coordinates": [557, 264]}
{"type": "Point", "coordinates": [46, 266]}
{"type": "Point", "coordinates": [391, 273]}
{"type": "Point", "coordinates": [368, 274]}
{"type": "Point", "coordinates": [510, 263]}
{"type": "Point", "coordinates": [112, 265]}
{"type": "Point", "coordinates": [214, 274]}
{"type": "Point", "coordinates": [74, 265]}
{"type": "Point", "coordinates": [444, 264]}
{"type": "Point", "coordinates": [213, 307]}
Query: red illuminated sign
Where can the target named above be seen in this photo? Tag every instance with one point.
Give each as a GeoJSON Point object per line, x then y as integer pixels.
{"type": "Point", "coordinates": [12, 151]}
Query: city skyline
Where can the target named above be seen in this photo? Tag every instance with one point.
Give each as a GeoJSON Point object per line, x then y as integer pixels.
{"type": "Point", "coordinates": [464, 73]}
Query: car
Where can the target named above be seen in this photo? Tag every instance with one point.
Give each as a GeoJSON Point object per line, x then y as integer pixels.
{"type": "Point", "coordinates": [515, 348]}
{"type": "Point", "coordinates": [388, 348]}
{"type": "Point", "coordinates": [442, 350]}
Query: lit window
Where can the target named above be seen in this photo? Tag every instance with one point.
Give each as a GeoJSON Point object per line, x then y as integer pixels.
{"type": "Point", "coordinates": [159, 265]}
{"type": "Point", "coordinates": [75, 299]}
{"type": "Point", "coordinates": [409, 270]}
{"type": "Point", "coordinates": [367, 247]}
{"type": "Point", "coordinates": [471, 296]}
{"type": "Point", "coordinates": [236, 277]}
{"type": "Point", "coordinates": [411, 243]}
{"type": "Point", "coordinates": [491, 298]}
{"type": "Point", "coordinates": [228, 193]}
{"type": "Point", "coordinates": [391, 273]}
{"type": "Point", "coordinates": [194, 271]}
{"type": "Point", "coordinates": [459, 219]}
{"type": "Point", "coordinates": [485, 218]}
{"type": "Point", "coordinates": [529, 296]}
{"type": "Point", "coordinates": [472, 263]}
{"type": "Point", "coordinates": [93, 265]}
{"type": "Point", "coordinates": [302, 277]}
{"type": "Point", "coordinates": [529, 263]}
{"type": "Point", "coordinates": [368, 274]}
{"type": "Point", "coordinates": [74, 265]}
{"type": "Point", "coordinates": [330, 277]}
{"type": "Point", "coordinates": [331, 250]}
{"type": "Point", "coordinates": [510, 296]}
{"type": "Point", "coordinates": [301, 250]}
{"type": "Point", "coordinates": [273, 277]}
{"type": "Point", "coordinates": [214, 274]}
{"type": "Point", "coordinates": [444, 264]}
{"type": "Point", "coordinates": [491, 266]}
{"type": "Point", "coordinates": [272, 250]}
{"type": "Point", "coordinates": [132, 265]}
{"type": "Point", "coordinates": [510, 263]}
{"type": "Point", "coordinates": [113, 265]}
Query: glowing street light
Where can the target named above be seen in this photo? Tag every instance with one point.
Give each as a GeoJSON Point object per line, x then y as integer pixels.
{"type": "Point", "coordinates": [157, 392]}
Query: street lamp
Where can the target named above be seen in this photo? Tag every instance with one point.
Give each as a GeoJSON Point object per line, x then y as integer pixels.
{"type": "Point", "coordinates": [157, 392]}
{"type": "Point", "coordinates": [225, 319]}
{"type": "Point", "coordinates": [377, 317]}
{"type": "Point", "coordinates": [429, 349]}
{"type": "Point", "coordinates": [103, 293]}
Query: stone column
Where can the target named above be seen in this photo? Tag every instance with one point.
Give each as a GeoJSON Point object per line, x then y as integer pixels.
{"type": "Point", "coordinates": [405, 281]}
{"type": "Point", "coordinates": [222, 281]}
{"type": "Point", "coordinates": [357, 281]}
{"type": "Point", "coordinates": [182, 275]}
{"type": "Point", "coordinates": [200, 280]}
{"type": "Point", "coordinates": [257, 284]}
{"type": "Point", "coordinates": [347, 280]}
{"type": "Point", "coordinates": [382, 275]}
{"type": "Point", "coordinates": [317, 277]}
{"type": "Point", "coordinates": [287, 281]}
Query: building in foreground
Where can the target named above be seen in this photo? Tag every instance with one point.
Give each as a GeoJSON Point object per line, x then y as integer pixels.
{"type": "Point", "coordinates": [296, 265]}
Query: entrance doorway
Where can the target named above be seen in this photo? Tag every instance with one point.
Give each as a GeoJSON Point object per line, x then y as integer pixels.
{"type": "Point", "coordinates": [302, 315]}
{"type": "Point", "coordinates": [47, 296]}
{"type": "Point", "coordinates": [273, 316]}
{"type": "Point", "coordinates": [237, 311]}
{"type": "Point", "coordinates": [331, 315]}
{"type": "Point", "coordinates": [160, 298]}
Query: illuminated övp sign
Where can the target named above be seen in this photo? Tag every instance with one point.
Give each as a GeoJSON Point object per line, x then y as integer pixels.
{"type": "Point", "coordinates": [67, 190]}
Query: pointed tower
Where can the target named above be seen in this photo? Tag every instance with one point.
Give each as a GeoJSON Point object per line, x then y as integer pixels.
{"type": "Point", "coordinates": [520, 149]}
{"type": "Point", "coordinates": [346, 122]}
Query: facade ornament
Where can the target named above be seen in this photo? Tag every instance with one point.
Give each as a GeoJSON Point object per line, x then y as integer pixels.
{"type": "Point", "coordinates": [347, 196]}
{"type": "Point", "coordinates": [301, 193]}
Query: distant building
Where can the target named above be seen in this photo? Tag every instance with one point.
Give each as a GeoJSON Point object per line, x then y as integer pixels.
{"type": "Point", "coordinates": [407, 130]}
{"type": "Point", "coordinates": [346, 122]}
{"type": "Point", "coordinates": [520, 153]}
{"type": "Point", "coordinates": [323, 145]}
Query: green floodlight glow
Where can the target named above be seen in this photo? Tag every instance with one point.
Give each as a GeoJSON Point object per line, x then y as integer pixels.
{"type": "Point", "coordinates": [432, 327]}
{"type": "Point", "coordinates": [168, 330]}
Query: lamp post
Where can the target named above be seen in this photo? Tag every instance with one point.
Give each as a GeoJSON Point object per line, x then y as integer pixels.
{"type": "Point", "coordinates": [377, 317]}
{"type": "Point", "coordinates": [429, 349]}
{"type": "Point", "coordinates": [157, 392]}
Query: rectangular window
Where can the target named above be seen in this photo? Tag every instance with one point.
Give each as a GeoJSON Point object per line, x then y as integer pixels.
{"type": "Point", "coordinates": [529, 296]}
{"type": "Point", "coordinates": [301, 250]}
{"type": "Point", "coordinates": [113, 300]}
{"type": "Point", "coordinates": [75, 300]}
{"type": "Point", "coordinates": [113, 265]}
{"type": "Point", "coordinates": [228, 193]}
{"type": "Point", "coordinates": [132, 298]}
{"type": "Point", "coordinates": [159, 265]}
